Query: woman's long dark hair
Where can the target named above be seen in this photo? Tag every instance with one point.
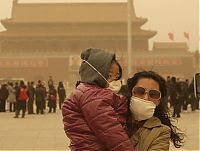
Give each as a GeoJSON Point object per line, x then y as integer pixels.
{"type": "Point", "coordinates": [161, 111]}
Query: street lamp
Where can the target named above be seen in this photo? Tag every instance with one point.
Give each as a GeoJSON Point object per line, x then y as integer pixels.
{"type": "Point", "coordinates": [129, 36]}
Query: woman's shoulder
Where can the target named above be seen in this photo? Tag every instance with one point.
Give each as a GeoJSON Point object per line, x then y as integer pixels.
{"type": "Point", "coordinates": [151, 134]}
{"type": "Point", "coordinates": [154, 122]}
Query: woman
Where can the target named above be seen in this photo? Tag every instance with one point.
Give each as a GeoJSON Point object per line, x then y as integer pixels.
{"type": "Point", "coordinates": [151, 125]}
{"type": "Point", "coordinates": [94, 116]}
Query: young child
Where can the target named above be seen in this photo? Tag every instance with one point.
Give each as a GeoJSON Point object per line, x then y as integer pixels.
{"type": "Point", "coordinates": [94, 116]}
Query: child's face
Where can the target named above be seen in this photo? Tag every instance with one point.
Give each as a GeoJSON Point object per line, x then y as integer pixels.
{"type": "Point", "coordinates": [113, 73]}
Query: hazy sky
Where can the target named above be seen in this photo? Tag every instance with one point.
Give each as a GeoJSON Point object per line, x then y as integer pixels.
{"type": "Point", "coordinates": [164, 16]}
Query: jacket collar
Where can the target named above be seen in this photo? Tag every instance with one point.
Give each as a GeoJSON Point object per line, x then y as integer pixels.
{"type": "Point", "coordinates": [152, 122]}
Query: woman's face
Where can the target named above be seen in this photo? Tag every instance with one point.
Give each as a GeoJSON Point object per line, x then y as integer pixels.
{"type": "Point", "coordinates": [113, 73]}
{"type": "Point", "coordinates": [147, 89]}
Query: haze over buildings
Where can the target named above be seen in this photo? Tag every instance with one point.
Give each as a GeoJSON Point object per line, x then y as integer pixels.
{"type": "Point", "coordinates": [54, 35]}
{"type": "Point", "coordinates": [176, 16]}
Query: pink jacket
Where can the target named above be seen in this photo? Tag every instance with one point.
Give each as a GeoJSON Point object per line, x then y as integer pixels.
{"type": "Point", "coordinates": [94, 120]}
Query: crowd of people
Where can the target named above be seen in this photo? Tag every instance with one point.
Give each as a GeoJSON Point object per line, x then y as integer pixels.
{"type": "Point", "coordinates": [21, 97]}
{"type": "Point", "coordinates": [180, 95]}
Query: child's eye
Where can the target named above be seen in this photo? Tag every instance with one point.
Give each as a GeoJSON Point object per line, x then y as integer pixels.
{"type": "Point", "coordinates": [109, 76]}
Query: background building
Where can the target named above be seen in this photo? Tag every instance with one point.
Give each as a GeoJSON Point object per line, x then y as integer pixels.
{"type": "Point", "coordinates": [46, 39]}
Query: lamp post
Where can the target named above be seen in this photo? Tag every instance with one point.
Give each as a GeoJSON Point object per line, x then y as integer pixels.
{"type": "Point", "coordinates": [197, 61]}
{"type": "Point", "coordinates": [129, 36]}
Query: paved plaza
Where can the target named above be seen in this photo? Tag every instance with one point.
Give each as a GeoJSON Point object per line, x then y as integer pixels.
{"type": "Point", "coordinates": [34, 132]}
{"type": "Point", "coordinates": [45, 132]}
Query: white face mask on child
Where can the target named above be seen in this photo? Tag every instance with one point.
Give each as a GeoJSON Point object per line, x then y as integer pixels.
{"type": "Point", "coordinates": [115, 86]}
{"type": "Point", "coordinates": [141, 109]}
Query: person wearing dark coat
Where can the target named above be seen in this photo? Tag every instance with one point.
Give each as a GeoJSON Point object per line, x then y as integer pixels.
{"type": "Point", "coordinates": [61, 94]}
{"type": "Point", "coordinates": [40, 97]}
{"type": "Point", "coordinates": [45, 95]}
{"type": "Point", "coordinates": [31, 94]}
{"type": "Point", "coordinates": [3, 97]}
{"type": "Point", "coordinates": [185, 88]}
{"type": "Point", "coordinates": [193, 100]}
{"type": "Point", "coordinates": [16, 87]}
{"type": "Point", "coordinates": [175, 96]}
{"type": "Point", "coordinates": [167, 98]}
{"type": "Point", "coordinates": [52, 99]}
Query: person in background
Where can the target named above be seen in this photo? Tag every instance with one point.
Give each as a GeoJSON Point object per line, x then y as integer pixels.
{"type": "Point", "coordinates": [3, 97]}
{"type": "Point", "coordinates": [40, 97]}
{"type": "Point", "coordinates": [61, 93]}
{"type": "Point", "coordinates": [52, 99]}
{"type": "Point", "coordinates": [31, 96]}
{"type": "Point", "coordinates": [193, 99]}
{"type": "Point", "coordinates": [175, 96]}
{"type": "Point", "coordinates": [11, 97]}
{"type": "Point", "coordinates": [16, 87]}
{"type": "Point", "coordinates": [167, 98]}
{"type": "Point", "coordinates": [94, 116]}
{"type": "Point", "coordinates": [45, 92]}
{"type": "Point", "coordinates": [149, 123]}
{"type": "Point", "coordinates": [21, 100]}
{"type": "Point", "coordinates": [50, 81]}
{"type": "Point", "coordinates": [187, 93]}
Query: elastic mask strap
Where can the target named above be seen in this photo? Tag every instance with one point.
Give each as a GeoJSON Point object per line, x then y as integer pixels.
{"type": "Point", "coordinates": [96, 70]}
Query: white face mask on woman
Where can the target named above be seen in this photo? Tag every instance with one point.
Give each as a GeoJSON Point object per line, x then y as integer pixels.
{"type": "Point", "coordinates": [141, 109]}
{"type": "Point", "coordinates": [115, 86]}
